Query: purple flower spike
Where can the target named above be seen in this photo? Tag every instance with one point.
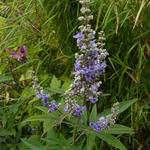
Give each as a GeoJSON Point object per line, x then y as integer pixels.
{"type": "Point", "coordinates": [89, 65]}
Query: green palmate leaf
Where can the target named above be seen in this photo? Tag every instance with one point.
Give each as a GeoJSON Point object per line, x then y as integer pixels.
{"type": "Point", "coordinates": [119, 129]}
{"type": "Point", "coordinates": [111, 140]}
{"type": "Point", "coordinates": [55, 83]}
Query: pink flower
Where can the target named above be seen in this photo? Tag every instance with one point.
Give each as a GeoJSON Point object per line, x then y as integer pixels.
{"type": "Point", "coordinates": [14, 54]}
{"type": "Point", "coordinates": [21, 55]}
{"type": "Point", "coordinates": [22, 52]}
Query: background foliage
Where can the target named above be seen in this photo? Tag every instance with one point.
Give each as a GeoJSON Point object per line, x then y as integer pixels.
{"type": "Point", "coordinates": [46, 28]}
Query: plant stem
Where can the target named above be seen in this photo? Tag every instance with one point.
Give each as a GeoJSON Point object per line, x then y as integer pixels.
{"type": "Point", "coordinates": [75, 132]}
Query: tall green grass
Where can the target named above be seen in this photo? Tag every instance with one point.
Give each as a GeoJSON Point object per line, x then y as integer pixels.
{"type": "Point", "coordinates": [47, 27]}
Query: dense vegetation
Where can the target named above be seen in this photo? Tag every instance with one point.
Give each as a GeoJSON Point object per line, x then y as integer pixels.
{"type": "Point", "coordinates": [46, 28]}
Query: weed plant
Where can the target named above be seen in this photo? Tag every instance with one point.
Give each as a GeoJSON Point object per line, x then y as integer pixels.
{"type": "Point", "coordinates": [46, 28]}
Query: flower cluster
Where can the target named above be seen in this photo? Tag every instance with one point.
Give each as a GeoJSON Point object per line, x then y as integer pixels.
{"type": "Point", "coordinates": [76, 109]}
{"type": "Point", "coordinates": [52, 106]}
{"type": "Point", "coordinates": [89, 64]}
{"type": "Point", "coordinates": [103, 123]}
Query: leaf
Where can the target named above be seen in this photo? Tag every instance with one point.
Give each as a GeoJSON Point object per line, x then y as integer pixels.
{"type": "Point", "coordinates": [4, 78]}
{"type": "Point", "coordinates": [119, 129]}
{"type": "Point", "coordinates": [38, 118]}
{"type": "Point", "coordinates": [65, 86]}
{"type": "Point", "coordinates": [122, 107]}
{"type": "Point", "coordinates": [93, 115]}
{"type": "Point", "coordinates": [56, 90]}
{"type": "Point", "coordinates": [33, 144]}
{"type": "Point", "coordinates": [57, 141]}
{"type": "Point", "coordinates": [90, 137]}
{"type": "Point", "coordinates": [47, 126]}
{"type": "Point", "coordinates": [90, 141]}
{"type": "Point", "coordinates": [84, 117]}
{"type": "Point", "coordinates": [42, 108]}
{"type": "Point", "coordinates": [26, 93]}
{"type": "Point", "coordinates": [125, 105]}
{"type": "Point", "coordinates": [4, 132]}
{"type": "Point", "coordinates": [111, 140]}
{"type": "Point", "coordinates": [30, 145]}
{"type": "Point", "coordinates": [139, 12]}
{"type": "Point", "coordinates": [40, 3]}
{"type": "Point", "coordinates": [55, 83]}
{"type": "Point", "coordinates": [2, 20]}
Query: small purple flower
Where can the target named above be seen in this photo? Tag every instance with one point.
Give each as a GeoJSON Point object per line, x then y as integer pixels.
{"type": "Point", "coordinates": [92, 124]}
{"type": "Point", "coordinates": [93, 100]}
{"type": "Point", "coordinates": [95, 126]}
{"type": "Point", "coordinates": [78, 110]}
{"type": "Point", "coordinates": [66, 109]}
{"type": "Point", "coordinates": [45, 97]}
{"type": "Point", "coordinates": [94, 89]}
{"type": "Point", "coordinates": [93, 76]}
{"type": "Point", "coordinates": [102, 66]}
{"type": "Point", "coordinates": [88, 78]}
{"type": "Point", "coordinates": [79, 35]}
{"type": "Point", "coordinates": [77, 66]}
{"type": "Point", "coordinates": [100, 125]}
{"type": "Point", "coordinates": [38, 96]}
{"type": "Point", "coordinates": [75, 92]}
{"type": "Point", "coordinates": [83, 47]}
{"type": "Point", "coordinates": [103, 122]}
{"type": "Point", "coordinates": [53, 106]}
